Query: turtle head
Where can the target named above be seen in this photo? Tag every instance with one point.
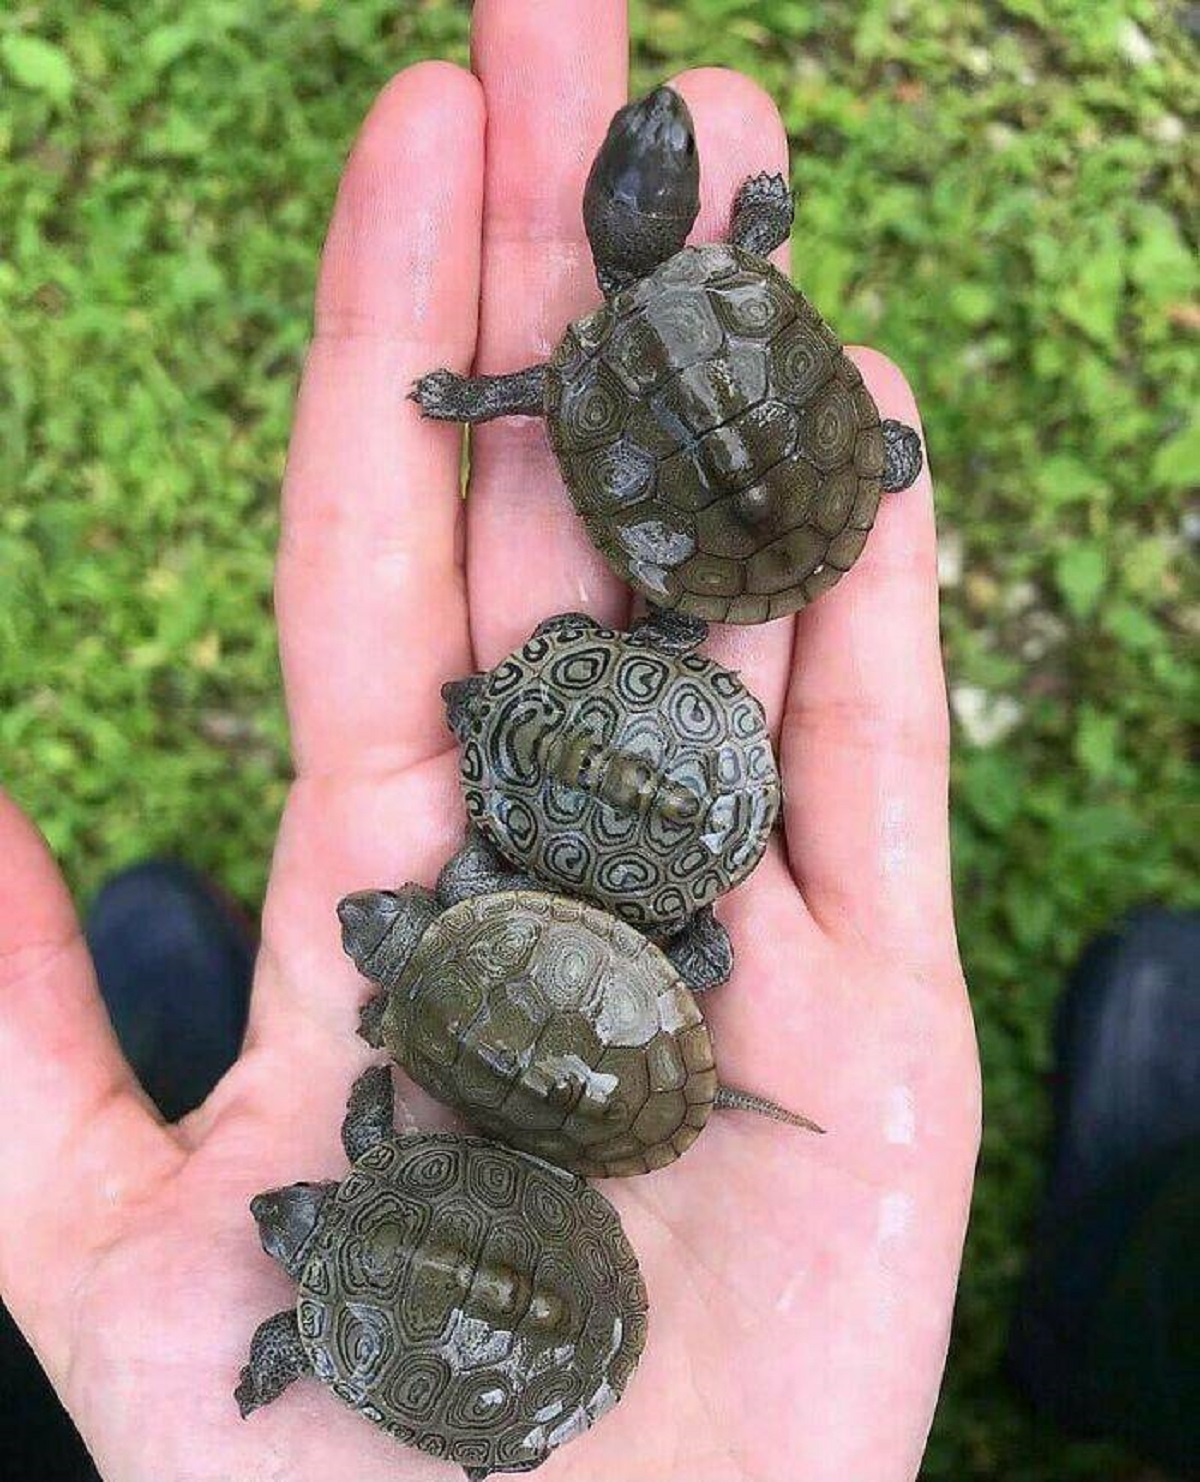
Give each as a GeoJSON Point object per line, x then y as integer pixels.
{"type": "Point", "coordinates": [460, 697]}
{"type": "Point", "coordinates": [643, 194]}
{"type": "Point", "coordinates": [287, 1221]}
{"type": "Point", "coordinates": [381, 928]}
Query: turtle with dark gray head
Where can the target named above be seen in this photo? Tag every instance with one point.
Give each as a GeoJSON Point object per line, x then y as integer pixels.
{"type": "Point", "coordinates": [722, 449]}
{"type": "Point", "coordinates": [547, 1023]}
{"type": "Point", "coordinates": [469, 1300]}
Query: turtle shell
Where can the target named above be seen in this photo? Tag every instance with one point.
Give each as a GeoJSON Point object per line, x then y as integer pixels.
{"type": "Point", "coordinates": [641, 780]}
{"type": "Point", "coordinates": [722, 449]}
{"type": "Point", "coordinates": [472, 1301]}
{"type": "Point", "coordinates": [555, 1027]}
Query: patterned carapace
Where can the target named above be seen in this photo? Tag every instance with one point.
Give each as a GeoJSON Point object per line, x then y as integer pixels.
{"type": "Point", "coordinates": [611, 769]}
{"type": "Point", "coordinates": [557, 1028]}
{"type": "Point", "coordinates": [720, 446]}
{"type": "Point", "coordinates": [470, 1301]}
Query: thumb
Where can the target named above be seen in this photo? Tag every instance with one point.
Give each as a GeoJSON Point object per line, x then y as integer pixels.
{"type": "Point", "coordinates": [78, 1138]}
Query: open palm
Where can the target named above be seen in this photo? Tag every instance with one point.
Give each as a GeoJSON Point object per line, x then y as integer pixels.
{"type": "Point", "coordinates": [800, 1287]}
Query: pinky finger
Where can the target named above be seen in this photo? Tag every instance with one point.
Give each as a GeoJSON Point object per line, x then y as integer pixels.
{"type": "Point", "coordinates": [68, 1100]}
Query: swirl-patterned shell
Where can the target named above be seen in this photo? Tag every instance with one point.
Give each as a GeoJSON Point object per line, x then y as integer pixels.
{"type": "Point", "coordinates": [472, 1301]}
{"type": "Point", "coordinates": [556, 1028]}
{"type": "Point", "coordinates": [642, 780]}
{"type": "Point", "coordinates": [722, 449]}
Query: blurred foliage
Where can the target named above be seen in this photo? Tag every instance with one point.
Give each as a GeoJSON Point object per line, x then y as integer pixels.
{"type": "Point", "coordinates": [995, 193]}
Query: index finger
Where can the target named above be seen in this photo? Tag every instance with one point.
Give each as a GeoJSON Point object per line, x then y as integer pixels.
{"type": "Point", "coordinates": [369, 589]}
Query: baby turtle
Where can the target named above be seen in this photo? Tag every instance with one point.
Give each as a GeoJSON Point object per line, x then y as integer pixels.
{"type": "Point", "coordinates": [619, 766]}
{"type": "Point", "coordinates": [722, 449]}
{"type": "Point", "coordinates": [546, 1022]}
{"type": "Point", "coordinates": [470, 1300]}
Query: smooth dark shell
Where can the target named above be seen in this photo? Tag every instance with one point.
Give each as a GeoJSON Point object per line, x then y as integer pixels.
{"type": "Point", "coordinates": [556, 1028]}
{"type": "Point", "coordinates": [722, 449]}
{"type": "Point", "coordinates": [641, 780]}
{"type": "Point", "coordinates": [472, 1301]}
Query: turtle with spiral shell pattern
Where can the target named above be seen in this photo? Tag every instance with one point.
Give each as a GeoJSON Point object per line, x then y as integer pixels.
{"type": "Point", "coordinates": [624, 768]}
{"type": "Point", "coordinates": [722, 449]}
{"type": "Point", "coordinates": [470, 1300]}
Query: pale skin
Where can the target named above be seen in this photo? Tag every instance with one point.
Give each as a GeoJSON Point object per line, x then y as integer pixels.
{"type": "Point", "coordinates": [800, 1286]}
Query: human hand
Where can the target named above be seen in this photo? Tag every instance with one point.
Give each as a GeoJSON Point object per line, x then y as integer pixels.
{"type": "Point", "coordinates": [800, 1287]}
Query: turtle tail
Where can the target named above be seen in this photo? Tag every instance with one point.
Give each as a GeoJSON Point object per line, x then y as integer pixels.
{"type": "Point", "coordinates": [730, 1099]}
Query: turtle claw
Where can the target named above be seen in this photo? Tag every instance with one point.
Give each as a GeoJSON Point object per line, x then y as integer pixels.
{"type": "Point", "coordinates": [762, 214]}
{"type": "Point", "coordinates": [669, 631]}
{"type": "Point", "coordinates": [902, 456]}
{"type": "Point", "coordinates": [701, 952]}
{"type": "Point", "coordinates": [440, 396]}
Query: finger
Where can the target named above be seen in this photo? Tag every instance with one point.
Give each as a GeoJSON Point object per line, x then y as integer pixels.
{"type": "Point", "coordinates": [738, 134]}
{"type": "Point", "coordinates": [79, 1139]}
{"type": "Point", "coordinates": [369, 588]}
{"type": "Point", "coordinates": [553, 74]}
{"type": "Point", "coordinates": [865, 736]}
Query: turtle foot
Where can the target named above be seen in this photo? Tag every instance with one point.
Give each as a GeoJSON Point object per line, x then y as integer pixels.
{"type": "Point", "coordinates": [902, 456]}
{"type": "Point", "coordinates": [701, 953]}
{"type": "Point", "coordinates": [449, 397]}
{"type": "Point", "coordinates": [762, 214]}
{"type": "Point", "coordinates": [669, 631]}
{"type": "Point", "coordinates": [441, 395]}
{"type": "Point", "coordinates": [569, 623]}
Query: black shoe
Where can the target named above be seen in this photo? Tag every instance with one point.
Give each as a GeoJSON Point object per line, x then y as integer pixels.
{"type": "Point", "coordinates": [1106, 1338]}
{"type": "Point", "coordinates": [174, 961]}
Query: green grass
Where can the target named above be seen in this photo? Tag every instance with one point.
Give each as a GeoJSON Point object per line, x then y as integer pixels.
{"type": "Point", "coordinates": [994, 193]}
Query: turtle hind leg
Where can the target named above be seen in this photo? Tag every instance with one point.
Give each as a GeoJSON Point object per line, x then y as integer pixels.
{"type": "Point", "coordinates": [669, 631]}
{"type": "Point", "coordinates": [478, 869]}
{"type": "Point", "coordinates": [277, 1357]}
{"type": "Point", "coordinates": [763, 211]}
{"type": "Point", "coordinates": [370, 1020]}
{"type": "Point", "coordinates": [448, 397]}
{"type": "Point", "coordinates": [701, 952]}
{"type": "Point", "coordinates": [902, 456]}
{"type": "Point", "coordinates": [481, 1474]}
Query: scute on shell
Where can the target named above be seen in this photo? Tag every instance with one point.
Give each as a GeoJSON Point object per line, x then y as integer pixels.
{"type": "Point", "coordinates": [641, 780]}
{"type": "Point", "coordinates": [471, 1301]}
{"type": "Point", "coordinates": [713, 385]}
{"type": "Point", "coordinates": [557, 1029]}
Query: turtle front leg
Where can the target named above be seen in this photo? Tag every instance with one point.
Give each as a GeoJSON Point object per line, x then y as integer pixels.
{"type": "Point", "coordinates": [763, 211]}
{"type": "Point", "coordinates": [569, 623]}
{"type": "Point", "coordinates": [668, 631]}
{"type": "Point", "coordinates": [449, 397]}
{"type": "Point", "coordinates": [277, 1357]}
{"type": "Point", "coordinates": [479, 869]}
{"type": "Point", "coordinates": [701, 952]}
{"type": "Point", "coordinates": [372, 1115]}
{"type": "Point", "coordinates": [902, 456]}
